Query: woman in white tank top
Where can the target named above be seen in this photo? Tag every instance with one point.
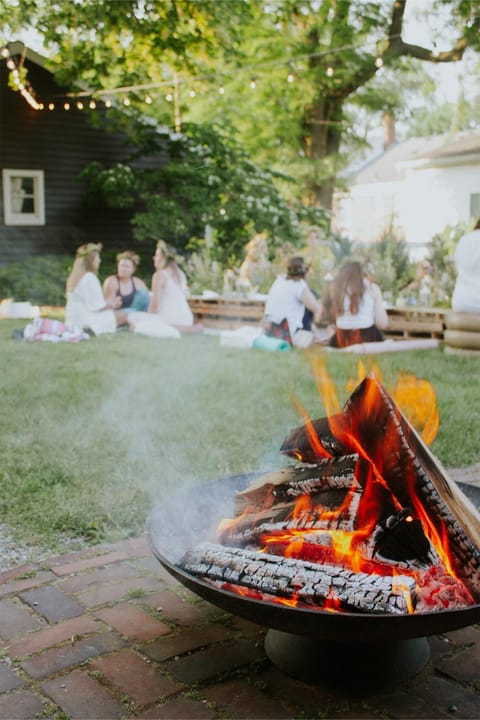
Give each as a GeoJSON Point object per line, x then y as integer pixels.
{"type": "Point", "coordinates": [357, 307]}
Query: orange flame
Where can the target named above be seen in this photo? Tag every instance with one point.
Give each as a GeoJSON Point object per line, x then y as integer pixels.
{"type": "Point", "coordinates": [416, 399]}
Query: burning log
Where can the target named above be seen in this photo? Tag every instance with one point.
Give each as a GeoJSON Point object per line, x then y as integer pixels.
{"type": "Point", "coordinates": [334, 474]}
{"type": "Point", "coordinates": [309, 583]}
{"type": "Point", "coordinates": [329, 494]}
{"type": "Point", "coordinates": [373, 426]}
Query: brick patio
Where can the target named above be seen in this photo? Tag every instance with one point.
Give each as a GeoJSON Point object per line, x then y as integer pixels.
{"type": "Point", "coordinates": [107, 633]}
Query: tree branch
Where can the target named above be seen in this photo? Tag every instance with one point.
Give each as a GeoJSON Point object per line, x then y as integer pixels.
{"type": "Point", "coordinates": [398, 48]}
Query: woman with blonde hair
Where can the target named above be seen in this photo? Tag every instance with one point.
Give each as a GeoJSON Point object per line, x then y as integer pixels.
{"type": "Point", "coordinates": [86, 307]}
{"type": "Point", "coordinates": [132, 291]}
{"type": "Point", "coordinates": [169, 289]}
{"type": "Point", "coordinates": [356, 307]}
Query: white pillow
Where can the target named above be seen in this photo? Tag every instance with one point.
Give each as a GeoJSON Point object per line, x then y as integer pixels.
{"type": "Point", "coordinates": [143, 323]}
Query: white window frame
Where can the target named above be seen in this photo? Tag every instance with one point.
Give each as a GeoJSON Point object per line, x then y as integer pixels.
{"type": "Point", "coordinates": [11, 216]}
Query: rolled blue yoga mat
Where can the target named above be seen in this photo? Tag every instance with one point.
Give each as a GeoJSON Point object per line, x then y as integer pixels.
{"type": "Point", "coordinates": [264, 342]}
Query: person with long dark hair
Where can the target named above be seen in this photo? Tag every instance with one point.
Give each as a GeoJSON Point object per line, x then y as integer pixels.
{"type": "Point", "coordinates": [356, 307]}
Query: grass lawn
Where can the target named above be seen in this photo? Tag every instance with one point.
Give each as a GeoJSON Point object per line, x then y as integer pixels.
{"type": "Point", "coordinates": [95, 434]}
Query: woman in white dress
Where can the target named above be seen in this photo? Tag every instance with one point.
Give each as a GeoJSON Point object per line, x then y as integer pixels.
{"type": "Point", "coordinates": [169, 290]}
{"type": "Point", "coordinates": [86, 306]}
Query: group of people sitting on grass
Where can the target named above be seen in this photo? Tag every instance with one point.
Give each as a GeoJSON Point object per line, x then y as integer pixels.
{"type": "Point", "coordinates": [124, 299]}
{"type": "Point", "coordinates": [352, 305]}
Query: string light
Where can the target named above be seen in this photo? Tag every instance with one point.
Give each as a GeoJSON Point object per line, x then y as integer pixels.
{"type": "Point", "coordinates": [27, 92]}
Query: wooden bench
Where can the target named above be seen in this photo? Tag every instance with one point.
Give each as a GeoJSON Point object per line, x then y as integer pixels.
{"type": "Point", "coordinates": [416, 322]}
{"type": "Point", "coordinates": [228, 313]}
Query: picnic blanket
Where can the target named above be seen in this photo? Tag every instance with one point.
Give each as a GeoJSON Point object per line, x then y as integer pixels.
{"type": "Point", "coordinates": [48, 330]}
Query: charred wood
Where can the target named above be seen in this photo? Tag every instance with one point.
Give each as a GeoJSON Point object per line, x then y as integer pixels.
{"type": "Point", "coordinates": [307, 582]}
{"type": "Point", "coordinates": [291, 482]}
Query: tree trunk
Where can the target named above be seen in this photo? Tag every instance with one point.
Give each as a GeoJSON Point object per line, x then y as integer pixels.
{"type": "Point", "coordinates": [323, 130]}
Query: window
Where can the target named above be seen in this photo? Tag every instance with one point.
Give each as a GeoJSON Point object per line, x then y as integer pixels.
{"type": "Point", "coordinates": [23, 197]}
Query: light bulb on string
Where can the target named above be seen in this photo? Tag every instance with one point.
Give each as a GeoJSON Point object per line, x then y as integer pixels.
{"type": "Point", "coordinates": [51, 106]}
{"type": "Point", "coordinates": [126, 101]}
{"type": "Point", "coordinates": [148, 99]}
{"type": "Point", "coordinates": [79, 105]}
{"type": "Point", "coordinates": [192, 93]}
{"type": "Point", "coordinates": [329, 71]}
{"type": "Point", "coordinates": [5, 52]}
{"type": "Point", "coordinates": [108, 103]}
{"type": "Point", "coordinates": [379, 62]}
{"type": "Point", "coordinates": [253, 83]}
{"type": "Point", "coordinates": [290, 77]}
{"type": "Point", "coordinates": [10, 64]}
{"type": "Point", "coordinates": [169, 97]}
{"type": "Point", "coordinates": [92, 104]}
{"type": "Point", "coordinates": [66, 106]}
{"type": "Point", "coordinates": [221, 90]}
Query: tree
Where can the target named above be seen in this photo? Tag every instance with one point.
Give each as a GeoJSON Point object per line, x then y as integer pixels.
{"type": "Point", "coordinates": [336, 51]}
{"type": "Point", "coordinates": [208, 179]}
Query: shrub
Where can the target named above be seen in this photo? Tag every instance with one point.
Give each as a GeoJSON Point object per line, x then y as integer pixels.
{"type": "Point", "coordinates": [39, 280]}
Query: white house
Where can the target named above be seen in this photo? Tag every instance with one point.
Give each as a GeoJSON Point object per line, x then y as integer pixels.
{"type": "Point", "coordinates": [416, 187]}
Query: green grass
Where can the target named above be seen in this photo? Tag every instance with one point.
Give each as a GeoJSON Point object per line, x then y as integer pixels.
{"type": "Point", "coordinates": [95, 434]}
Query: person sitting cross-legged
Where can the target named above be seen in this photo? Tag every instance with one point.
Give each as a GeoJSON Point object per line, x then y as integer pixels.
{"type": "Point", "coordinates": [287, 302]}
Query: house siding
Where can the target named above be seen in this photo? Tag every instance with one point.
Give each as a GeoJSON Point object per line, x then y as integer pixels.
{"type": "Point", "coordinates": [414, 190]}
{"type": "Point", "coordinates": [61, 143]}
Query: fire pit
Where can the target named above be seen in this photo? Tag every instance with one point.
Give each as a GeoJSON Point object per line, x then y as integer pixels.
{"type": "Point", "coordinates": [372, 635]}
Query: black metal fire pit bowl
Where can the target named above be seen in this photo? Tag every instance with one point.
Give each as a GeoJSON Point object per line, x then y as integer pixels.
{"type": "Point", "coordinates": [359, 650]}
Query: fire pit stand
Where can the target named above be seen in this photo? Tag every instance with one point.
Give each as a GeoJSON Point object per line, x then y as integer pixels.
{"type": "Point", "coordinates": [353, 665]}
{"type": "Point", "coordinates": [358, 650]}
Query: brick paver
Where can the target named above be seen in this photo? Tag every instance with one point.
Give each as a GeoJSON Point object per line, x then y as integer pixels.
{"type": "Point", "coordinates": [52, 603]}
{"type": "Point", "coordinates": [22, 705]}
{"type": "Point", "coordinates": [143, 646]}
{"type": "Point", "coordinates": [8, 679]}
{"type": "Point", "coordinates": [133, 622]}
{"type": "Point", "coordinates": [75, 653]}
{"type": "Point", "coordinates": [135, 677]}
{"type": "Point", "coordinates": [54, 635]}
{"type": "Point", "coordinates": [80, 696]}
{"type": "Point", "coordinates": [15, 619]}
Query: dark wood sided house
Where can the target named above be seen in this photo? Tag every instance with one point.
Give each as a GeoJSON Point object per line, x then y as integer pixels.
{"type": "Point", "coordinates": [42, 153]}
